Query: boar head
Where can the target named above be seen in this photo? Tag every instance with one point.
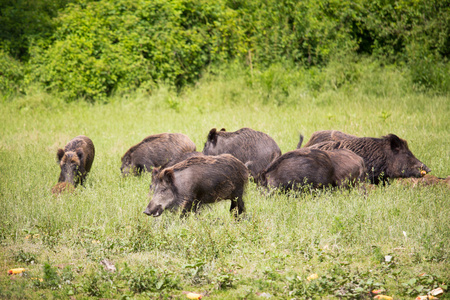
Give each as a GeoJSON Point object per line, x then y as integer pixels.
{"type": "Point", "coordinates": [164, 196]}
{"type": "Point", "coordinates": [70, 163]}
{"type": "Point", "coordinates": [401, 161]}
{"type": "Point", "coordinates": [128, 168]}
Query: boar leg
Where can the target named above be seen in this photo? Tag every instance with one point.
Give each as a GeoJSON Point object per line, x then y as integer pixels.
{"type": "Point", "coordinates": [190, 205]}
{"type": "Point", "coordinates": [239, 203]}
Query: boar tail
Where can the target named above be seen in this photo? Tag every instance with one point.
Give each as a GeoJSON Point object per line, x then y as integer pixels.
{"type": "Point", "coordinates": [299, 145]}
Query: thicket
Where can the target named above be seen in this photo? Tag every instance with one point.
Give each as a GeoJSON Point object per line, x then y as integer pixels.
{"type": "Point", "coordinates": [91, 49]}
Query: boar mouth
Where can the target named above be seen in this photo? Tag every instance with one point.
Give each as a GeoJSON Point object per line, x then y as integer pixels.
{"type": "Point", "coordinates": [424, 170]}
{"type": "Point", "coordinates": [155, 212]}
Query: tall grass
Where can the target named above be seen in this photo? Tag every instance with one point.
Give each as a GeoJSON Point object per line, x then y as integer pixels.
{"type": "Point", "coordinates": [343, 236]}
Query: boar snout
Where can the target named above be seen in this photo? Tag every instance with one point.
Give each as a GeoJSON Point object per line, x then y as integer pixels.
{"type": "Point", "coordinates": [424, 169]}
{"type": "Point", "coordinates": [153, 210]}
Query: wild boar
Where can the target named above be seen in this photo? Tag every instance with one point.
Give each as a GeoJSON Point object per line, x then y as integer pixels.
{"type": "Point", "coordinates": [75, 160]}
{"type": "Point", "coordinates": [199, 180]}
{"type": "Point", "coordinates": [325, 136]}
{"type": "Point", "coordinates": [386, 157]}
{"type": "Point", "coordinates": [349, 168]}
{"type": "Point", "coordinates": [154, 151]}
{"type": "Point", "coordinates": [253, 148]}
{"type": "Point", "coordinates": [298, 168]}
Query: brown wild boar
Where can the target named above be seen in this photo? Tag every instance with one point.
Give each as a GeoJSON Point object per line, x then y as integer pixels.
{"type": "Point", "coordinates": [155, 151]}
{"type": "Point", "coordinates": [75, 160]}
{"type": "Point", "coordinates": [298, 168]}
{"type": "Point", "coordinates": [253, 148]}
{"type": "Point", "coordinates": [386, 157]}
{"type": "Point", "coordinates": [199, 180]}
{"type": "Point", "coordinates": [349, 168]}
{"type": "Point", "coordinates": [325, 136]}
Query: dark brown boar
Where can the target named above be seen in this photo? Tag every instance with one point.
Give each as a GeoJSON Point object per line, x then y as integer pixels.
{"type": "Point", "coordinates": [325, 136]}
{"type": "Point", "coordinates": [76, 160]}
{"type": "Point", "coordinates": [155, 151]}
{"type": "Point", "coordinates": [349, 168]}
{"type": "Point", "coordinates": [253, 148]}
{"type": "Point", "coordinates": [299, 168]}
{"type": "Point", "coordinates": [386, 157]}
{"type": "Point", "coordinates": [199, 180]}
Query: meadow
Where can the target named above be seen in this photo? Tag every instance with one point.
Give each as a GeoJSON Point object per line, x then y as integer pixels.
{"type": "Point", "coordinates": [394, 237]}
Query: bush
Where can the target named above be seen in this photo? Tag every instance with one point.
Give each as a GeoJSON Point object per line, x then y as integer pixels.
{"type": "Point", "coordinates": [11, 75]}
{"type": "Point", "coordinates": [117, 46]}
{"type": "Point", "coordinates": [149, 280]}
{"type": "Point", "coordinates": [24, 21]}
{"type": "Point", "coordinates": [122, 45]}
{"type": "Point", "coordinates": [428, 71]}
{"type": "Point", "coordinates": [96, 48]}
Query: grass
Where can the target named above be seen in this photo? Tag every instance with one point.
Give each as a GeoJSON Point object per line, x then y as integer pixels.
{"type": "Point", "coordinates": [343, 236]}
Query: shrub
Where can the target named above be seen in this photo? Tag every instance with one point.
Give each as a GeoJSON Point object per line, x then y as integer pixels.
{"type": "Point", "coordinates": [24, 21]}
{"type": "Point", "coordinates": [96, 48]}
{"type": "Point", "coordinates": [149, 280]}
{"type": "Point", "coordinates": [11, 75]}
{"type": "Point", "coordinates": [122, 45]}
{"type": "Point", "coordinates": [428, 71]}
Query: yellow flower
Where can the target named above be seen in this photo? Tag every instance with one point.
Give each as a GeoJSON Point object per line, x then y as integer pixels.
{"type": "Point", "coordinates": [312, 277]}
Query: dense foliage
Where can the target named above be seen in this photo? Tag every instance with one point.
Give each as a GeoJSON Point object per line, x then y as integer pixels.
{"type": "Point", "coordinates": [91, 49]}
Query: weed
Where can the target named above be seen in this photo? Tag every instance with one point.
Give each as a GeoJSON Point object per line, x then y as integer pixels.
{"type": "Point", "coordinates": [339, 281]}
{"type": "Point", "coordinates": [50, 279]}
{"type": "Point", "coordinates": [384, 115]}
{"type": "Point", "coordinates": [422, 284]}
{"type": "Point", "coordinates": [25, 257]}
{"type": "Point", "coordinates": [195, 270]}
{"type": "Point", "coordinates": [93, 285]}
{"type": "Point", "coordinates": [149, 280]}
{"type": "Point", "coordinates": [174, 103]}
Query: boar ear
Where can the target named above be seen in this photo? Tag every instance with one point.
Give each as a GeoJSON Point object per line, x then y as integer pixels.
{"type": "Point", "coordinates": [59, 155]}
{"type": "Point", "coordinates": [212, 136]}
{"type": "Point", "coordinates": [396, 143]}
{"type": "Point", "coordinates": [168, 175]}
{"type": "Point", "coordinates": [223, 129]}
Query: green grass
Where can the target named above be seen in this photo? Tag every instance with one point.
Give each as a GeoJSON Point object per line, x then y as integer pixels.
{"type": "Point", "coordinates": [343, 236]}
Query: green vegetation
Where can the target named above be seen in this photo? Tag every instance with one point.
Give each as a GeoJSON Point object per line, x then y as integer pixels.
{"type": "Point", "coordinates": [119, 70]}
{"type": "Point", "coordinates": [94, 49]}
{"type": "Point", "coordinates": [343, 236]}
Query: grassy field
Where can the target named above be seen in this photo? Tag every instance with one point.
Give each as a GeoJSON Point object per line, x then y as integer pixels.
{"type": "Point", "coordinates": [345, 237]}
